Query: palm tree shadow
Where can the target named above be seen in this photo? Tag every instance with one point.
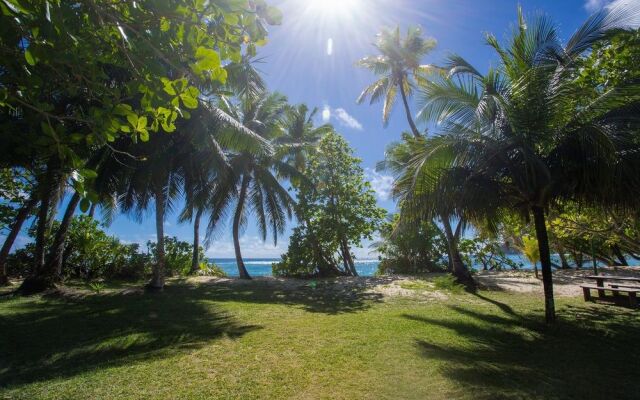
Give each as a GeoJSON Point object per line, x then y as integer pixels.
{"type": "Point", "coordinates": [53, 338]}
{"type": "Point", "coordinates": [326, 296]}
{"type": "Point", "coordinates": [588, 354]}
{"type": "Point", "coordinates": [502, 306]}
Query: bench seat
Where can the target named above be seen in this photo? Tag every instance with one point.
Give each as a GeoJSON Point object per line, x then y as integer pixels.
{"type": "Point", "coordinates": [632, 292]}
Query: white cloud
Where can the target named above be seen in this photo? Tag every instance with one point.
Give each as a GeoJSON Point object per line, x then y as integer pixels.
{"type": "Point", "coordinates": [341, 116]}
{"type": "Point", "coordinates": [596, 5]}
{"type": "Point", "coordinates": [347, 120]}
{"type": "Point", "coordinates": [381, 184]}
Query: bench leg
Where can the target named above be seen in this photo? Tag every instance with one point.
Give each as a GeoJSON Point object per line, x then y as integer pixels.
{"type": "Point", "coordinates": [600, 283]}
{"type": "Point", "coordinates": [587, 293]}
{"type": "Point", "coordinates": [633, 301]}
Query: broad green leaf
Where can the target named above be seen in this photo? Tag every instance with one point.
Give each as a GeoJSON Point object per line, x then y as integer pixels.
{"type": "Point", "coordinates": [85, 204]}
{"type": "Point", "coordinates": [31, 60]}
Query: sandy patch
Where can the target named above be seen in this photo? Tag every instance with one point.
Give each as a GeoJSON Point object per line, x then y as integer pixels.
{"type": "Point", "coordinates": [566, 283]}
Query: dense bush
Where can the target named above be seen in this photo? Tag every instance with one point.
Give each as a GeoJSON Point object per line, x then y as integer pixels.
{"type": "Point", "coordinates": [410, 250]}
{"type": "Point", "coordinates": [89, 253]}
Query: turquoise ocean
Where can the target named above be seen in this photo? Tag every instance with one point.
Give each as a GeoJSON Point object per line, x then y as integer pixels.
{"type": "Point", "coordinates": [365, 267]}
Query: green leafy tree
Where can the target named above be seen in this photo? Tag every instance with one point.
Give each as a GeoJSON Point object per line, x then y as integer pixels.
{"type": "Point", "coordinates": [80, 75]}
{"type": "Point", "coordinates": [531, 251]}
{"type": "Point", "coordinates": [340, 212]}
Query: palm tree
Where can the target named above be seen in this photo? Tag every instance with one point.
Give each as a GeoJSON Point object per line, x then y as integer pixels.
{"type": "Point", "coordinates": [527, 129]}
{"type": "Point", "coordinates": [398, 66]}
{"type": "Point", "coordinates": [253, 186]}
{"type": "Point", "coordinates": [418, 171]}
{"type": "Point", "coordinates": [207, 165]}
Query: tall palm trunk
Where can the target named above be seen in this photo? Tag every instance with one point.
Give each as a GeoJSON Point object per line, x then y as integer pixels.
{"type": "Point", "coordinates": [157, 275]}
{"type": "Point", "coordinates": [242, 270]}
{"type": "Point", "coordinates": [54, 261]}
{"type": "Point", "coordinates": [460, 271]}
{"type": "Point", "coordinates": [92, 210]}
{"type": "Point", "coordinates": [545, 262]}
{"type": "Point", "coordinates": [195, 259]}
{"type": "Point", "coordinates": [38, 281]}
{"type": "Point", "coordinates": [407, 110]}
{"type": "Point", "coordinates": [22, 216]}
{"type": "Point", "coordinates": [46, 196]}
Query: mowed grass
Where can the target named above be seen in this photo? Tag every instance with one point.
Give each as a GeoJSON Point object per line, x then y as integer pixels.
{"type": "Point", "coordinates": [255, 341]}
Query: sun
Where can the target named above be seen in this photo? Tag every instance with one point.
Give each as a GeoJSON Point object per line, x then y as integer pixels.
{"type": "Point", "coordinates": [334, 8]}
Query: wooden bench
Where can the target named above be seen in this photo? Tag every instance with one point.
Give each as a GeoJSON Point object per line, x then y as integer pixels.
{"type": "Point", "coordinates": [601, 279]}
{"type": "Point", "coordinates": [632, 293]}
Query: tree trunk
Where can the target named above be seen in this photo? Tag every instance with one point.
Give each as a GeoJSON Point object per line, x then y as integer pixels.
{"type": "Point", "coordinates": [545, 262]}
{"type": "Point", "coordinates": [195, 260]}
{"type": "Point", "coordinates": [460, 271]}
{"type": "Point", "coordinates": [242, 270]}
{"type": "Point", "coordinates": [348, 260]}
{"type": "Point", "coordinates": [38, 281]}
{"type": "Point", "coordinates": [578, 258]}
{"type": "Point", "coordinates": [22, 216]}
{"type": "Point", "coordinates": [618, 253]}
{"type": "Point", "coordinates": [407, 110]}
{"type": "Point", "coordinates": [54, 261]}
{"type": "Point", "coordinates": [564, 264]}
{"type": "Point", "coordinates": [157, 275]}
{"type": "Point", "coordinates": [92, 210]}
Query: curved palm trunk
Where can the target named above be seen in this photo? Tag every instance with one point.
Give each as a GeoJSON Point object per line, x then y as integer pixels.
{"type": "Point", "coordinates": [460, 271]}
{"type": "Point", "coordinates": [545, 262]}
{"type": "Point", "coordinates": [242, 270]}
{"type": "Point", "coordinates": [22, 216]}
{"type": "Point", "coordinates": [195, 259]}
{"type": "Point", "coordinates": [407, 110]}
{"type": "Point", "coordinates": [54, 261]}
{"type": "Point", "coordinates": [157, 275]}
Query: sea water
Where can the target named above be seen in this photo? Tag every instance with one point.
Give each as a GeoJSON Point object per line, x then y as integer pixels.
{"type": "Point", "coordinates": [365, 267]}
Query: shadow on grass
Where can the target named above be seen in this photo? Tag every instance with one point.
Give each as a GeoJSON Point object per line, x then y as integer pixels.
{"type": "Point", "coordinates": [327, 297]}
{"type": "Point", "coordinates": [46, 338]}
{"type": "Point", "coordinates": [593, 352]}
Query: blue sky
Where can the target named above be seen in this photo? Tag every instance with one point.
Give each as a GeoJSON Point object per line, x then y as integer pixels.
{"type": "Point", "coordinates": [310, 58]}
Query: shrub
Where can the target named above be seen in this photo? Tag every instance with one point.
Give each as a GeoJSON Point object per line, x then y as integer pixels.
{"type": "Point", "coordinates": [449, 283]}
{"type": "Point", "coordinates": [410, 249]}
{"type": "Point", "coordinates": [208, 268]}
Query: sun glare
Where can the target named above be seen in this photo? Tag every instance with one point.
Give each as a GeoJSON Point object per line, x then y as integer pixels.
{"type": "Point", "coordinates": [335, 8]}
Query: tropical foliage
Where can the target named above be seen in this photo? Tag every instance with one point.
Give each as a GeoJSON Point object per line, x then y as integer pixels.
{"type": "Point", "coordinates": [407, 250]}
{"type": "Point", "coordinates": [337, 210]}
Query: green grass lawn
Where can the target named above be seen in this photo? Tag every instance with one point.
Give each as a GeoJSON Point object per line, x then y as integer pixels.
{"type": "Point", "coordinates": [225, 341]}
